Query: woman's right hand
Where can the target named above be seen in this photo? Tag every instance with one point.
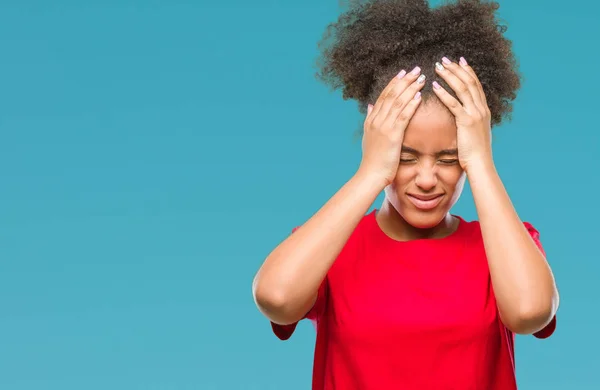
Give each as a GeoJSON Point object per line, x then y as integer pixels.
{"type": "Point", "coordinates": [385, 124]}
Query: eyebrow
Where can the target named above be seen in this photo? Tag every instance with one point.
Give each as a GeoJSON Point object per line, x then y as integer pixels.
{"type": "Point", "coordinates": [443, 152]}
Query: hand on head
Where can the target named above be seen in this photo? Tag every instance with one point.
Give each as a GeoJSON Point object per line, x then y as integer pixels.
{"type": "Point", "coordinates": [473, 118]}
{"type": "Point", "coordinates": [386, 122]}
{"type": "Point", "coordinates": [388, 118]}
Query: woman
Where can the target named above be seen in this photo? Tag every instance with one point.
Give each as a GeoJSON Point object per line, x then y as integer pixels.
{"type": "Point", "coordinates": [410, 296]}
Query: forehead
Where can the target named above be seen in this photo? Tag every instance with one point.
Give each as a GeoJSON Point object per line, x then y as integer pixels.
{"type": "Point", "coordinates": [432, 128]}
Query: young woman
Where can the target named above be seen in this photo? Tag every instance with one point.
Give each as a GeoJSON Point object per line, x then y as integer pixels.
{"type": "Point", "coordinates": [411, 296]}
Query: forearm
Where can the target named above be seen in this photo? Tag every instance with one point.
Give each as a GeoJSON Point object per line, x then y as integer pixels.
{"type": "Point", "coordinates": [286, 285]}
{"type": "Point", "coordinates": [523, 283]}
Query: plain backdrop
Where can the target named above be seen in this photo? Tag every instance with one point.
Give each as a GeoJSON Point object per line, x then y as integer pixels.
{"type": "Point", "coordinates": [152, 153]}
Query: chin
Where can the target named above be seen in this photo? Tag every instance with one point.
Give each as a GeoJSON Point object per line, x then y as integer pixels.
{"type": "Point", "coordinates": [417, 218]}
{"type": "Point", "coordinates": [423, 219]}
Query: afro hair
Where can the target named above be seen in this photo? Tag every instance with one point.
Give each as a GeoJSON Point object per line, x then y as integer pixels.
{"type": "Point", "coordinates": [373, 40]}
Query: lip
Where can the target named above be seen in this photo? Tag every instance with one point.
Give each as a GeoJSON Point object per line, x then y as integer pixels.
{"type": "Point", "coordinates": [425, 202]}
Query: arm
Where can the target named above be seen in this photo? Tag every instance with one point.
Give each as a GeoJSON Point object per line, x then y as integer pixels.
{"type": "Point", "coordinates": [523, 283]}
{"type": "Point", "coordinates": [286, 286]}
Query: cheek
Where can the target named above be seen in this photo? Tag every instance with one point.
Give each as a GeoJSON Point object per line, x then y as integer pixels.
{"type": "Point", "coordinates": [404, 177]}
{"type": "Point", "coordinates": [454, 183]}
{"type": "Point", "coordinates": [402, 181]}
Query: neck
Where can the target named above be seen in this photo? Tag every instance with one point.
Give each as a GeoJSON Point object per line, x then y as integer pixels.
{"type": "Point", "coordinates": [396, 227]}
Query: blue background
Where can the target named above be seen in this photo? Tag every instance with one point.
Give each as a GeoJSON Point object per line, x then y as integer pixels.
{"type": "Point", "coordinates": [153, 153]}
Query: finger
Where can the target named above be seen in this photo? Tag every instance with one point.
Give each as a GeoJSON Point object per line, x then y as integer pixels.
{"type": "Point", "coordinates": [463, 90]}
{"type": "Point", "coordinates": [465, 65]}
{"type": "Point", "coordinates": [401, 121]}
{"type": "Point", "coordinates": [399, 103]}
{"type": "Point", "coordinates": [449, 101]}
{"type": "Point", "coordinates": [396, 88]}
{"type": "Point", "coordinates": [471, 82]}
{"type": "Point", "coordinates": [386, 91]}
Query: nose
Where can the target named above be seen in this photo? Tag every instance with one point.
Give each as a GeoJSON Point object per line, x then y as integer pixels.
{"type": "Point", "coordinates": [426, 177]}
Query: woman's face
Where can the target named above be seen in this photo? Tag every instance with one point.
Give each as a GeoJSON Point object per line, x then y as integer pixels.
{"type": "Point", "coordinates": [429, 179]}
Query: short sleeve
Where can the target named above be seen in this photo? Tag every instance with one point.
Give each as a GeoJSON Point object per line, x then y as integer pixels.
{"type": "Point", "coordinates": [549, 329]}
{"type": "Point", "coordinates": [284, 332]}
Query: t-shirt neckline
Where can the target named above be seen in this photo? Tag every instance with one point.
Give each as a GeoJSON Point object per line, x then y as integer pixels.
{"type": "Point", "coordinates": [372, 216]}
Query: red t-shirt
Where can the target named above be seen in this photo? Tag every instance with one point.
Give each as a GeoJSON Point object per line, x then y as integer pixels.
{"type": "Point", "coordinates": [411, 315]}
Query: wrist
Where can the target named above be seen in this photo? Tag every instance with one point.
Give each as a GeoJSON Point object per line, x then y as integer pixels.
{"type": "Point", "coordinates": [481, 171]}
{"type": "Point", "coordinates": [370, 181]}
{"type": "Point", "coordinates": [480, 166]}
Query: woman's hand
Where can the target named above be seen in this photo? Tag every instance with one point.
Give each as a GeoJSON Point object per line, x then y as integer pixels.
{"type": "Point", "coordinates": [385, 124]}
{"type": "Point", "coordinates": [472, 114]}
{"type": "Point", "coordinates": [524, 285]}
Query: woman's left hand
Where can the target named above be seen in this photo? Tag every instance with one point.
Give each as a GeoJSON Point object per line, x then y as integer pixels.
{"type": "Point", "coordinates": [472, 114]}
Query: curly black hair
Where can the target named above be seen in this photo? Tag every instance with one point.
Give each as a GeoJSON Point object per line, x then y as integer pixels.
{"type": "Point", "coordinates": [373, 40]}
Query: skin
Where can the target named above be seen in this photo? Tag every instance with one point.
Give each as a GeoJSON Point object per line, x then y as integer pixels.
{"type": "Point", "coordinates": [412, 150]}
{"type": "Point", "coordinates": [523, 282]}
{"type": "Point", "coordinates": [429, 166]}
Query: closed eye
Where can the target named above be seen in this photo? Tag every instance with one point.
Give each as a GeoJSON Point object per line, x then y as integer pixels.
{"type": "Point", "coordinates": [449, 161]}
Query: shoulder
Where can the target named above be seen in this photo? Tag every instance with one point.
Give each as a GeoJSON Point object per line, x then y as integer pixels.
{"type": "Point", "coordinates": [474, 225]}
{"type": "Point", "coordinates": [472, 229]}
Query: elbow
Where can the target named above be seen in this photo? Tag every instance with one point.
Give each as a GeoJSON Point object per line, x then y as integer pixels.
{"type": "Point", "coordinates": [532, 318]}
{"type": "Point", "coordinates": [273, 304]}
{"type": "Point", "coordinates": [529, 322]}
{"type": "Point", "coordinates": [268, 301]}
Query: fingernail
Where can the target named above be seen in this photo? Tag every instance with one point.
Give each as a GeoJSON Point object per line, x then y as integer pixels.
{"type": "Point", "coordinates": [369, 108]}
{"type": "Point", "coordinates": [401, 74]}
{"type": "Point", "coordinates": [416, 71]}
{"type": "Point", "coordinates": [439, 66]}
{"type": "Point", "coordinates": [462, 61]}
{"type": "Point", "coordinates": [446, 60]}
{"type": "Point", "coordinates": [421, 79]}
{"type": "Point", "coordinates": [418, 96]}
{"type": "Point", "coordinates": [436, 85]}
